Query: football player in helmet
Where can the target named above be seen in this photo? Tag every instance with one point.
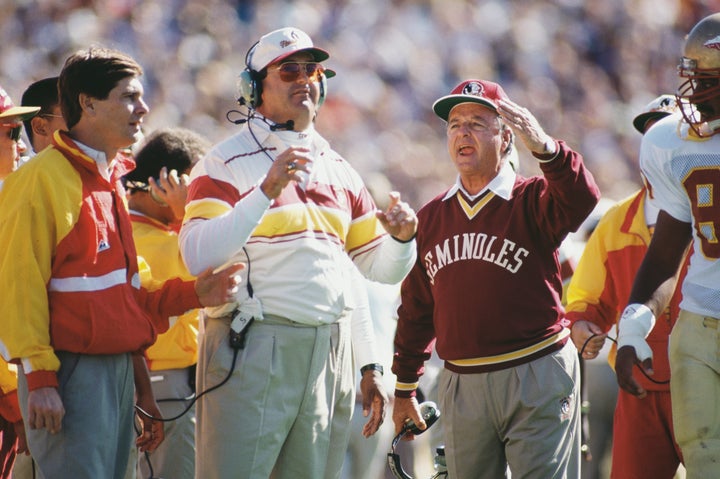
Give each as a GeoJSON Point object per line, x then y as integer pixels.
{"type": "Point", "coordinates": [680, 159]}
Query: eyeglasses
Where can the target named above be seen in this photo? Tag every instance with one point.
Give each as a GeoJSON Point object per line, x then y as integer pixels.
{"type": "Point", "coordinates": [291, 71]}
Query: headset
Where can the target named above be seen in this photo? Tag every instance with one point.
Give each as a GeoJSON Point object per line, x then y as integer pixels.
{"type": "Point", "coordinates": [430, 414]}
{"type": "Point", "coordinates": [249, 84]}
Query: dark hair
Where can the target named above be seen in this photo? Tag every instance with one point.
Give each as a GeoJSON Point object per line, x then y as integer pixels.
{"type": "Point", "coordinates": [42, 93]}
{"type": "Point", "coordinates": [94, 72]}
{"type": "Point", "coordinates": [174, 148]}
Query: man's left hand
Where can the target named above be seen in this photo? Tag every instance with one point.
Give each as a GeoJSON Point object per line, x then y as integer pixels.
{"type": "Point", "coordinates": [399, 219]}
{"type": "Point", "coordinates": [215, 288]}
{"type": "Point", "coordinates": [374, 401]}
{"type": "Point", "coordinates": [152, 430]}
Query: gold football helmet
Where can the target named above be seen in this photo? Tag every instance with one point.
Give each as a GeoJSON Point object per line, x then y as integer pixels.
{"type": "Point", "coordinates": [699, 95]}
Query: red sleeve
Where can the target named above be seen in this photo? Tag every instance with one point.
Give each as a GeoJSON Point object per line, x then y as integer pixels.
{"type": "Point", "coordinates": [174, 298]}
{"type": "Point", "coordinates": [9, 406]}
{"type": "Point", "coordinates": [570, 196]}
{"type": "Point", "coordinates": [415, 335]}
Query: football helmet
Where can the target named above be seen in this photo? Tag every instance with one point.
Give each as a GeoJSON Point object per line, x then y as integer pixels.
{"type": "Point", "coordinates": [698, 95]}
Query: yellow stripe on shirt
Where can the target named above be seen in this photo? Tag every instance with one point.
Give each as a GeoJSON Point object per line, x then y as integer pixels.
{"type": "Point", "coordinates": [520, 353]}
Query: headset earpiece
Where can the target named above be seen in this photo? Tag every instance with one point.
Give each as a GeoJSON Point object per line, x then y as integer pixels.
{"type": "Point", "coordinates": [249, 86]}
{"type": "Point", "coordinates": [323, 90]}
{"type": "Point", "coordinates": [248, 89]}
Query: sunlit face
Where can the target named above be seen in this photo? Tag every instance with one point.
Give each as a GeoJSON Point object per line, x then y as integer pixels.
{"type": "Point", "coordinates": [120, 115]}
{"type": "Point", "coordinates": [10, 148]}
{"type": "Point", "coordinates": [296, 100]}
{"type": "Point", "coordinates": [476, 139]}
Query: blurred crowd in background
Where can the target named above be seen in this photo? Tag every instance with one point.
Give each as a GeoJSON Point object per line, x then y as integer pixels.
{"type": "Point", "coordinates": [583, 67]}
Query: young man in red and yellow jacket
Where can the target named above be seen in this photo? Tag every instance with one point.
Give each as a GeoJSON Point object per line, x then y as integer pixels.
{"type": "Point", "coordinates": [74, 315]}
{"type": "Point", "coordinates": [643, 440]}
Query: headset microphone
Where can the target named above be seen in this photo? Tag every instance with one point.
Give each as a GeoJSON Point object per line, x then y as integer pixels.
{"type": "Point", "coordinates": [288, 125]}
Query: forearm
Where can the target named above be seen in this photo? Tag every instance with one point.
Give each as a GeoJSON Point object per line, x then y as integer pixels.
{"type": "Point", "coordinates": [141, 374]}
{"type": "Point", "coordinates": [204, 243]}
{"type": "Point", "coordinates": [390, 262]}
{"type": "Point", "coordinates": [363, 341]}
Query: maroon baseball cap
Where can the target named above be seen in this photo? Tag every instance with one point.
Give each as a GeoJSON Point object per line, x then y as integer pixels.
{"type": "Point", "coordinates": [483, 92]}
{"type": "Point", "coordinates": [9, 113]}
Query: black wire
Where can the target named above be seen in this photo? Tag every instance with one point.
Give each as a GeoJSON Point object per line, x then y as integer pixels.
{"type": "Point", "coordinates": [637, 363]}
{"type": "Point", "coordinates": [194, 399]}
{"type": "Point", "coordinates": [252, 133]}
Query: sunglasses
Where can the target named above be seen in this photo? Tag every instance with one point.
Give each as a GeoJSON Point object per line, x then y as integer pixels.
{"type": "Point", "coordinates": [15, 132]}
{"type": "Point", "coordinates": [291, 71]}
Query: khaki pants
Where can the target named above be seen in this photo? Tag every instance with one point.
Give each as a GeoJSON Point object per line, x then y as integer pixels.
{"type": "Point", "coordinates": [695, 390]}
{"type": "Point", "coordinates": [286, 408]}
{"type": "Point", "coordinates": [526, 417]}
{"type": "Point", "coordinates": [175, 457]}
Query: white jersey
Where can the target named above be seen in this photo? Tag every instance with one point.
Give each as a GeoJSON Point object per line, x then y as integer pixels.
{"type": "Point", "coordinates": [297, 247]}
{"type": "Point", "coordinates": [683, 172]}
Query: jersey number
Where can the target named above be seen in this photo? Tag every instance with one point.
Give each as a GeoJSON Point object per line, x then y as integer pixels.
{"type": "Point", "coordinates": [705, 199]}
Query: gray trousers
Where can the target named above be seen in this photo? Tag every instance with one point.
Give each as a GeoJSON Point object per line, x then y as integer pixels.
{"type": "Point", "coordinates": [97, 392]}
{"type": "Point", "coordinates": [287, 406]}
{"type": "Point", "coordinates": [526, 417]}
{"type": "Point", "coordinates": [175, 457]}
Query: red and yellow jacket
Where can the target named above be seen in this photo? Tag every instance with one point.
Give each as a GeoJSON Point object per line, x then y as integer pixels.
{"type": "Point", "coordinates": [69, 272]}
{"type": "Point", "coordinates": [604, 276]}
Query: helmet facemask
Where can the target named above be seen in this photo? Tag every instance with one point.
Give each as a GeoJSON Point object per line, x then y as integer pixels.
{"type": "Point", "coordinates": [702, 86]}
{"type": "Point", "coordinates": [698, 97]}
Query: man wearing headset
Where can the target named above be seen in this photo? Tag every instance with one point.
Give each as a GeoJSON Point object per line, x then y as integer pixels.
{"type": "Point", "coordinates": [277, 197]}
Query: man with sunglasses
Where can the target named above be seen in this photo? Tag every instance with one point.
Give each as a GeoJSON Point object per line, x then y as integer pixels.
{"type": "Point", "coordinates": [12, 433]}
{"type": "Point", "coordinates": [11, 144]}
{"type": "Point", "coordinates": [276, 197]}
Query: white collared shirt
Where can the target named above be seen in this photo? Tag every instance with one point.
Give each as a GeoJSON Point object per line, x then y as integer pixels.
{"type": "Point", "coordinates": [100, 159]}
{"type": "Point", "coordinates": [501, 185]}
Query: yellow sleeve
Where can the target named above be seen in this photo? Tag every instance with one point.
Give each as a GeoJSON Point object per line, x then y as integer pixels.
{"type": "Point", "coordinates": [587, 282]}
{"type": "Point", "coordinates": [8, 377]}
{"type": "Point", "coordinates": [39, 205]}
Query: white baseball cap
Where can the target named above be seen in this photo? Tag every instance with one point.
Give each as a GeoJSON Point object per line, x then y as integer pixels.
{"type": "Point", "coordinates": [660, 107]}
{"type": "Point", "coordinates": [282, 43]}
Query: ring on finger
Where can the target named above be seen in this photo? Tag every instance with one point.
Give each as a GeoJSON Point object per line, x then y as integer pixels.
{"type": "Point", "coordinates": [292, 166]}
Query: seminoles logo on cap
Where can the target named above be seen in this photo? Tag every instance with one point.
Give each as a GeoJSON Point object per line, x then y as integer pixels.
{"type": "Point", "coordinates": [287, 43]}
{"type": "Point", "coordinates": [473, 88]}
{"type": "Point", "coordinates": [713, 43]}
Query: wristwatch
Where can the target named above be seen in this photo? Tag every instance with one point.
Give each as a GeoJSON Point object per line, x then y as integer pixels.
{"type": "Point", "coordinates": [372, 367]}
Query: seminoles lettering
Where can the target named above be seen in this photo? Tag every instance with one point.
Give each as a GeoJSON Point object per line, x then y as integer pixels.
{"type": "Point", "coordinates": [474, 246]}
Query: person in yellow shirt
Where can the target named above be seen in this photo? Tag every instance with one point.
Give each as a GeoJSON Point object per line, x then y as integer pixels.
{"type": "Point", "coordinates": [157, 189]}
